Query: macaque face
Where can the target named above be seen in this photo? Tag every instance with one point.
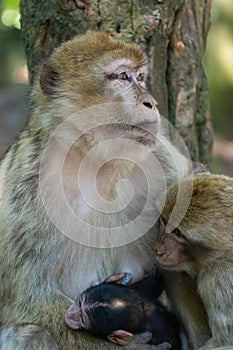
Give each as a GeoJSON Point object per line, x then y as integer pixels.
{"type": "Point", "coordinates": [125, 82]}
{"type": "Point", "coordinates": [77, 317]}
{"type": "Point", "coordinates": [172, 249]}
{"type": "Point", "coordinates": [121, 81]}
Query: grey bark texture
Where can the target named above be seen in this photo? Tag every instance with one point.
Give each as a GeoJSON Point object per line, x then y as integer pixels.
{"type": "Point", "coordinates": [173, 34]}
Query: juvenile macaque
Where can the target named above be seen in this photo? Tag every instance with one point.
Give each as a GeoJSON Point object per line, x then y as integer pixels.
{"type": "Point", "coordinates": [39, 265]}
{"type": "Point", "coordinates": [202, 246]}
{"type": "Point", "coordinates": [117, 312]}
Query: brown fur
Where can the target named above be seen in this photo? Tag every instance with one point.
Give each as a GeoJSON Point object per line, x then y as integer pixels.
{"type": "Point", "coordinates": [41, 269]}
{"type": "Point", "coordinates": [202, 246]}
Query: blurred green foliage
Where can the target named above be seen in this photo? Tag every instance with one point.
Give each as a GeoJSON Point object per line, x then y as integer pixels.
{"type": "Point", "coordinates": [11, 50]}
{"type": "Point", "coordinates": [219, 67]}
{"type": "Point", "coordinates": [10, 16]}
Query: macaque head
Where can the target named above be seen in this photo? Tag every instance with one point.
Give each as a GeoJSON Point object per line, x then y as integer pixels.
{"type": "Point", "coordinates": [108, 310]}
{"type": "Point", "coordinates": [96, 69]}
{"type": "Point", "coordinates": [170, 249]}
{"type": "Point", "coordinates": [205, 232]}
{"type": "Point", "coordinates": [97, 84]}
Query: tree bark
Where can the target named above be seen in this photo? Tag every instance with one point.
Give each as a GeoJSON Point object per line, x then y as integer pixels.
{"type": "Point", "coordinates": [173, 33]}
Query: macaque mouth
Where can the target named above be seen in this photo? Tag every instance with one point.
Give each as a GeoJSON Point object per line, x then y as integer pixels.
{"type": "Point", "coordinates": [163, 262]}
{"type": "Point", "coordinates": [150, 127]}
{"type": "Point", "coordinates": [148, 124]}
{"type": "Point", "coordinates": [143, 133]}
{"type": "Point", "coordinates": [167, 266]}
{"type": "Point", "coordinates": [167, 263]}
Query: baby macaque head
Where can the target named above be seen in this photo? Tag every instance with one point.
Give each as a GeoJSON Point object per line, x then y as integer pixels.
{"type": "Point", "coordinates": [205, 232]}
{"type": "Point", "coordinates": [109, 310]}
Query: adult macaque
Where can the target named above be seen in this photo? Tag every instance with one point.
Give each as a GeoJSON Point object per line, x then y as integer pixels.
{"type": "Point", "coordinates": [41, 269]}
{"type": "Point", "coordinates": [116, 312]}
{"type": "Point", "coordinates": [202, 246]}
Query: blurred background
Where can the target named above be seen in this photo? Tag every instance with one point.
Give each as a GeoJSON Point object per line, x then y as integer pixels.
{"type": "Point", "coordinates": [218, 63]}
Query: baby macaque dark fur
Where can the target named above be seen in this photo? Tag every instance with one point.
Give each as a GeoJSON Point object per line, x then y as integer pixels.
{"type": "Point", "coordinates": [115, 311]}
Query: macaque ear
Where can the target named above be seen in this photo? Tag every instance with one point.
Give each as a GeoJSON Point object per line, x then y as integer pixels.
{"type": "Point", "coordinates": [49, 79]}
{"type": "Point", "coordinates": [120, 337]}
{"type": "Point", "coordinates": [120, 278]}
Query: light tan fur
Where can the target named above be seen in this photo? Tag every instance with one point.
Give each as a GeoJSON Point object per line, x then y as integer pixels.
{"type": "Point", "coordinates": [39, 266]}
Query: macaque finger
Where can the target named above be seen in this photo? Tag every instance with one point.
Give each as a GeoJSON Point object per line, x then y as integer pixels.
{"type": "Point", "coordinates": [120, 278]}
{"type": "Point", "coordinates": [142, 338]}
{"type": "Point", "coordinates": [126, 279]}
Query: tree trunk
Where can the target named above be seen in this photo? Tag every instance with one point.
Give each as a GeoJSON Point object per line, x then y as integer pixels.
{"type": "Point", "coordinates": [173, 33]}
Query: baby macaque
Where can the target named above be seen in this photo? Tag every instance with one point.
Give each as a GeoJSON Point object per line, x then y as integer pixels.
{"type": "Point", "coordinates": [116, 312]}
{"type": "Point", "coordinates": [202, 246]}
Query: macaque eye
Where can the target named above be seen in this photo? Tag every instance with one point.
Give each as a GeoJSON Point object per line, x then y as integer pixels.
{"type": "Point", "coordinates": [122, 76]}
{"type": "Point", "coordinates": [140, 77]}
{"type": "Point", "coordinates": [177, 232]}
{"type": "Point", "coordinates": [82, 319]}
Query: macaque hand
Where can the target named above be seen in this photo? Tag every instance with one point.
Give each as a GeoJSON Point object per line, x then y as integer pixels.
{"type": "Point", "coordinates": [143, 338]}
{"type": "Point", "coordinates": [120, 278]}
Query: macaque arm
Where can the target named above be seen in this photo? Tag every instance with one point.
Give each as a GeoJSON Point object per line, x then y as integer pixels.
{"type": "Point", "coordinates": [32, 337]}
{"type": "Point", "coordinates": [215, 288]}
{"type": "Point", "coordinates": [28, 336]}
{"type": "Point", "coordinates": [181, 291]}
{"type": "Point", "coordinates": [210, 346]}
{"type": "Point", "coordinates": [52, 312]}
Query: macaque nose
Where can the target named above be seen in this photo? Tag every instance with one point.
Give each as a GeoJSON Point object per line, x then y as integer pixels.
{"type": "Point", "coordinates": [148, 105]}
{"type": "Point", "coordinates": [159, 252]}
{"type": "Point", "coordinates": [160, 249]}
{"type": "Point", "coordinates": [149, 102]}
